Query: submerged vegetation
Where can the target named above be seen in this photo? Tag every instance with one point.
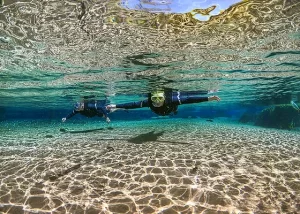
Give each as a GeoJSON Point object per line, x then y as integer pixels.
{"type": "Point", "coordinates": [279, 116]}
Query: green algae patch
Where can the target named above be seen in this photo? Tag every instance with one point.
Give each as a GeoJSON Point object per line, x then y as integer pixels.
{"type": "Point", "coordinates": [279, 116]}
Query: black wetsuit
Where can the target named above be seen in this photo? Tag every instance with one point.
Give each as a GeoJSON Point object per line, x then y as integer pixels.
{"type": "Point", "coordinates": [172, 100]}
{"type": "Point", "coordinates": [91, 108]}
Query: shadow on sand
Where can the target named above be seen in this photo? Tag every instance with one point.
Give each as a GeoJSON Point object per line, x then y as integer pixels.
{"type": "Point", "coordinates": [84, 131]}
{"type": "Point", "coordinates": [152, 137]}
{"type": "Point", "coordinates": [147, 137]}
{"type": "Point", "coordinates": [140, 139]}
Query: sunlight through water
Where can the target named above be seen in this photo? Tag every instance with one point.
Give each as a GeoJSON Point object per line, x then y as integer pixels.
{"type": "Point", "coordinates": [238, 155]}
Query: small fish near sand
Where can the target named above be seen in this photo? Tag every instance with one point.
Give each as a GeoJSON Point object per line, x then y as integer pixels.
{"type": "Point", "coordinates": [295, 106]}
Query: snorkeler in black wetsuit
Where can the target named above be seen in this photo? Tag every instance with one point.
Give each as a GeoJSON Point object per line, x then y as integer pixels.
{"type": "Point", "coordinates": [90, 108]}
{"type": "Point", "coordinates": [166, 102]}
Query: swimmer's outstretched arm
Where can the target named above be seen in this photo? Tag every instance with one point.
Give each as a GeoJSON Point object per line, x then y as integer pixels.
{"type": "Point", "coordinates": [132, 105]}
{"type": "Point", "coordinates": [69, 116]}
{"type": "Point", "coordinates": [188, 97]}
{"type": "Point", "coordinates": [102, 112]}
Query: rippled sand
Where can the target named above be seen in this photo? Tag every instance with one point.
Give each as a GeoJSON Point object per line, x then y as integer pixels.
{"type": "Point", "coordinates": [159, 166]}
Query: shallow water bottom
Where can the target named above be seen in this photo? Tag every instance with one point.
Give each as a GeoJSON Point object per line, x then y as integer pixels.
{"type": "Point", "coordinates": [155, 166]}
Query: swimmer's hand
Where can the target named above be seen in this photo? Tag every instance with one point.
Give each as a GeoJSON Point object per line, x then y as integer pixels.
{"type": "Point", "coordinates": [63, 119]}
{"type": "Point", "coordinates": [111, 108]}
{"type": "Point", "coordinates": [211, 98]}
{"type": "Point", "coordinates": [107, 119]}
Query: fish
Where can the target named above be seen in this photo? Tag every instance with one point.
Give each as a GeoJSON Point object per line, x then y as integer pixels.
{"type": "Point", "coordinates": [295, 106]}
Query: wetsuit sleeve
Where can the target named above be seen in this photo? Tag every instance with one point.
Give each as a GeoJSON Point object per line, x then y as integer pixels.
{"type": "Point", "coordinates": [71, 114]}
{"type": "Point", "coordinates": [102, 111]}
{"type": "Point", "coordinates": [188, 97]}
{"type": "Point", "coordinates": [133, 105]}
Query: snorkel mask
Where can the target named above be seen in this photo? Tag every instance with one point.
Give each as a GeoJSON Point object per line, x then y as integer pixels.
{"type": "Point", "coordinates": [158, 98]}
{"type": "Point", "coordinates": [79, 106]}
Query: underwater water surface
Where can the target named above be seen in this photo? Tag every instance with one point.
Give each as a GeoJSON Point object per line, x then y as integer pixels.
{"type": "Point", "coordinates": [239, 155]}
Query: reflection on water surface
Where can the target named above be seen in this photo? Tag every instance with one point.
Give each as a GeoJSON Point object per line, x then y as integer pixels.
{"type": "Point", "coordinates": [201, 10]}
{"type": "Point", "coordinates": [79, 48]}
{"type": "Point", "coordinates": [54, 53]}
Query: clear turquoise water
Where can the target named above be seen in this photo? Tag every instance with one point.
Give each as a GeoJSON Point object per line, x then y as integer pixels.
{"type": "Point", "coordinates": [55, 53]}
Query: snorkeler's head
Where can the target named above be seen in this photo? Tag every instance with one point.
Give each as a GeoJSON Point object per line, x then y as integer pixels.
{"type": "Point", "coordinates": [79, 106]}
{"type": "Point", "coordinates": [158, 98]}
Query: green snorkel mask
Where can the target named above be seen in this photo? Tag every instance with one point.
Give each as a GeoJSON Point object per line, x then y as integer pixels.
{"type": "Point", "coordinates": [158, 98]}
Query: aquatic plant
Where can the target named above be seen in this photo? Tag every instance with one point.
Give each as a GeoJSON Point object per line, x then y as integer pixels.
{"type": "Point", "coordinates": [279, 116]}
